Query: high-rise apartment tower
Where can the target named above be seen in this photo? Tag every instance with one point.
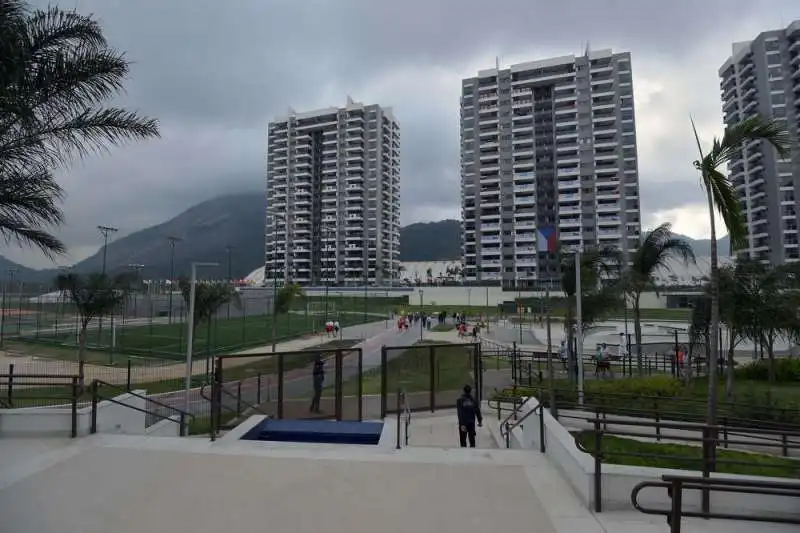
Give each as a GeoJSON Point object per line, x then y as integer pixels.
{"type": "Point", "coordinates": [762, 77]}
{"type": "Point", "coordinates": [333, 196]}
{"type": "Point", "coordinates": [548, 164]}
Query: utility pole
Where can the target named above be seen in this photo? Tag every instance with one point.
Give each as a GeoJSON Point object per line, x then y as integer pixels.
{"type": "Point", "coordinates": [106, 231]}
{"type": "Point", "coordinates": [172, 241]}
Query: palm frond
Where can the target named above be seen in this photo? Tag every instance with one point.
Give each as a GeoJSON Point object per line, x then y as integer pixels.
{"type": "Point", "coordinates": [57, 72]}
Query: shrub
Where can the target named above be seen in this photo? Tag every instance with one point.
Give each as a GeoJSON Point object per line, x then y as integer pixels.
{"type": "Point", "coordinates": [787, 370]}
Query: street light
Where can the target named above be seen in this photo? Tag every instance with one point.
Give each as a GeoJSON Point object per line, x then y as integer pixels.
{"type": "Point", "coordinates": [228, 249]}
{"type": "Point", "coordinates": [422, 313]}
{"type": "Point", "coordinates": [172, 241]}
{"type": "Point", "coordinates": [10, 281]}
{"type": "Point", "coordinates": [274, 261]}
{"type": "Point", "coordinates": [190, 334]}
{"type": "Point", "coordinates": [137, 270]}
{"type": "Point", "coordinates": [579, 325]}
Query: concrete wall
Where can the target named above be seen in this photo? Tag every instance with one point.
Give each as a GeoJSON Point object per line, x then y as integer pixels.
{"type": "Point", "coordinates": [457, 296]}
{"type": "Point", "coordinates": [57, 421]}
{"type": "Point", "coordinates": [618, 480]}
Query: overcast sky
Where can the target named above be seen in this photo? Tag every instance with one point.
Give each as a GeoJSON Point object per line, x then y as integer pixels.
{"type": "Point", "coordinates": [215, 73]}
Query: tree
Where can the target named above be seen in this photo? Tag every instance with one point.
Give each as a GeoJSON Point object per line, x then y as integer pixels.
{"type": "Point", "coordinates": [699, 327]}
{"type": "Point", "coordinates": [769, 305]}
{"type": "Point", "coordinates": [600, 293]}
{"type": "Point", "coordinates": [56, 72]}
{"type": "Point", "coordinates": [722, 198]}
{"type": "Point", "coordinates": [208, 298]}
{"type": "Point", "coordinates": [93, 295]}
{"type": "Point", "coordinates": [286, 295]}
{"type": "Point", "coordinates": [654, 254]}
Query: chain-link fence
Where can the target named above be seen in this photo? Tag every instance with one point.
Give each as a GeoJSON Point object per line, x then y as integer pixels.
{"type": "Point", "coordinates": [154, 325]}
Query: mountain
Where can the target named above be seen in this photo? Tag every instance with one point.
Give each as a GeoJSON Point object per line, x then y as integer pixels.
{"type": "Point", "coordinates": [431, 241]}
{"type": "Point", "coordinates": [702, 247]}
{"type": "Point", "coordinates": [237, 221]}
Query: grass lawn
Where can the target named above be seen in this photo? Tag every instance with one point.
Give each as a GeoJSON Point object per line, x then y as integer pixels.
{"type": "Point", "coordinates": [670, 399]}
{"type": "Point", "coordinates": [623, 451]}
{"type": "Point", "coordinates": [168, 341]}
{"type": "Point", "coordinates": [60, 394]}
{"type": "Point", "coordinates": [412, 371]}
{"type": "Point", "coordinates": [646, 314]}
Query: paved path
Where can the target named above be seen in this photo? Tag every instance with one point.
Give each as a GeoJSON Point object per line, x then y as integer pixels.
{"type": "Point", "coordinates": [297, 382]}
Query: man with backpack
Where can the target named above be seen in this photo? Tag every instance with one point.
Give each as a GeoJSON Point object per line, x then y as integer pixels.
{"type": "Point", "coordinates": [468, 412]}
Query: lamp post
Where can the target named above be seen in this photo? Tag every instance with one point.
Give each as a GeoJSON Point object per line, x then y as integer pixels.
{"type": "Point", "coordinates": [228, 249]}
{"type": "Point", "coordinates": [422, 313]}
{"type": "Point", "coordinates": [137, 270]}
{"type": "Point", "coordinates": [274, 261]}
{"type": "Point", "coordinates": [172, 241]}
{"type": "Point", "coordinates": [10, 281]}
{"type": "Point", "coordinates": [190, 332]}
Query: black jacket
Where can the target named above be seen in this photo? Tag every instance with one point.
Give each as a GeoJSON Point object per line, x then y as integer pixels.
{"type": "Point", "coordinates": [319, 373]}
{"type": "Point", "coordinates": [468, 410]}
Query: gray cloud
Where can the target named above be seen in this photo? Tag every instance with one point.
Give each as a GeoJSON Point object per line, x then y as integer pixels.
{"type": "Point", "coordinates": [215, 74]}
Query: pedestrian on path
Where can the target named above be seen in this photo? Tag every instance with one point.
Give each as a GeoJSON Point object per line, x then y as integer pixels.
{"type": "Point", "coordinates": [468, 412]}
{"type": "Point", "coordinates": [319, 379]}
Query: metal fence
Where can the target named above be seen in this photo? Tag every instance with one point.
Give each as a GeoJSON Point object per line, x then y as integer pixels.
{"type": "Point", "coordinates": [145, 325]}
{"type": "Point", "coordinates": [433, 375]}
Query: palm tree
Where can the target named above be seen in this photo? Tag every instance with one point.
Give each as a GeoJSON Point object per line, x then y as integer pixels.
{"type": "Point", "coordinates": [722, 198]}
{"type": "Point", "coordinates": [654, 254]}
{"type": "Point", "coordinates": [56, 72]}
{"type": "Point", "coordinates": [93, 295]}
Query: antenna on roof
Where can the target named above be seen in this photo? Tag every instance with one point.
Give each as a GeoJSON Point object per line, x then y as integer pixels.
{"type": "Point", "coordinates": [586, 52]}
{"type": "Point", "coordinates": [497, 62]}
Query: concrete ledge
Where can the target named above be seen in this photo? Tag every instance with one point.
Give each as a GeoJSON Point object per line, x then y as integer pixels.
{"type": "Point", "coordinates": [112, 417]}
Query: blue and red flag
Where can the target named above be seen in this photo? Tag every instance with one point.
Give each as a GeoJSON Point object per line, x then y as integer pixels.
{"type": "Point", "coordinates": [547, 239]}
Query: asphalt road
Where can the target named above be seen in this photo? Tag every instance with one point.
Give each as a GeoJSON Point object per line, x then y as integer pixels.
{"type": "Point", "coordinates": [298, 383]}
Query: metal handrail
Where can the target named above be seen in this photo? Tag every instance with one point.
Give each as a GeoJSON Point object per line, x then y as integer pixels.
{"type": "Point", "coordinates": [407, 412]}
{"type": "Point", "coordinates": [506, 427]}
{"type": "Point", "coordinates": [708, 440]}
{"type": "Point", "coordinates": [95, 388]}
{"type": "Point", "coordinates": [675, 486]}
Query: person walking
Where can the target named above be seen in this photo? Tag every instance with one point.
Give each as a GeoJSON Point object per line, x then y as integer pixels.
{"type": "Point", "coordinates": [319, 379]}
{"type": "Point", "coordinates": [468, 412]}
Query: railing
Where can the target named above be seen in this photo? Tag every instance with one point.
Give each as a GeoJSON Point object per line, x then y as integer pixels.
{"type": "Point", "coordinates": [507, 426]}
{"type": "Point", "coordinates": [732, 415]}
{"type": "Point", "coordinates": [683, 432]}
{"type": "Point", "coordinates": [675, 486]}
{"type": "Point", "coordinates": [50, 388]}
{"type": "Point", "coordinates": [403, 418]}
{"type": "Point", "coordinates": [97, 386]}
{"type": "Point", "coordinates": [217, 405]}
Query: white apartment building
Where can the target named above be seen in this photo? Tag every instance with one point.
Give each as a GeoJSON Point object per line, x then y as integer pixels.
{"type": "Point", "coordinates": [548, 164]}
{"type": "Point", "coordinates": [333, 196]}
{"type": "Point", "coordinates": [762, 77]}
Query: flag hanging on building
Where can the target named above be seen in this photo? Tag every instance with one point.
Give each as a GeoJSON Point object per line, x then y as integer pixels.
{"type": "Point", "coordinates": [547, 239]}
